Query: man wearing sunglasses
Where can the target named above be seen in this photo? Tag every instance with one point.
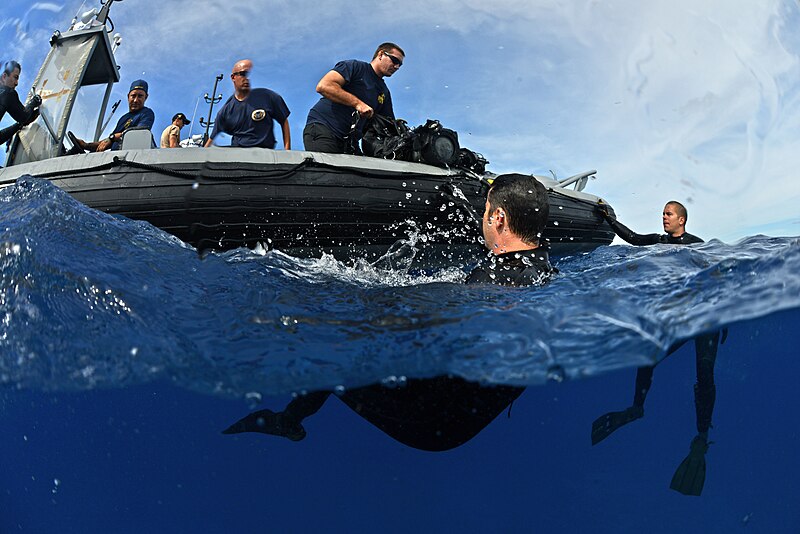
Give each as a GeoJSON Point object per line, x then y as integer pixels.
{"type": "Point", "coordinates": [351, 93]}
{"type": "Point", "coordinates": [249, 113]}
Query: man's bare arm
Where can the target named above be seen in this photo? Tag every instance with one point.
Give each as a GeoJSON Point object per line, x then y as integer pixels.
{"type": "Point", "coordinates": [331, 86]}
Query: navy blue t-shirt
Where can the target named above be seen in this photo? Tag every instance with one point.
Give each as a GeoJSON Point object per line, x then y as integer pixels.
{"type": "Point", "coordinates": [250, 122]}
{"type": "Point", "coordinates": [361, 81]}
{"type": "Point", "coordinates": [144, 118]}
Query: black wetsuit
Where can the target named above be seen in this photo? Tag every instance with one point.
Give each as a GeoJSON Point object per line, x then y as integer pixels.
{"type": "Point", "coordinates": [433, 414]}
{"type": "Point", "coordinates": [705, 344]}
{"type": "Point", "coordinates": [649, 239]}
{"type": "Point", "coordinates": [444, 412]}
{"type": "Point", "coordinates": [9, 102]}
{"type": "Point", "coordinates": [522, 268]}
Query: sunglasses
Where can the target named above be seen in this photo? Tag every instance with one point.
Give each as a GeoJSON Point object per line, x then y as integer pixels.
{"type": "Point", "coordinates": [395, 60]}
{"type": "Point", "coordinates": [242, 73]}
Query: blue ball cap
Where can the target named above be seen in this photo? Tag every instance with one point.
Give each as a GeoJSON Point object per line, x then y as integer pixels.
{"type": "Point", "coordinates": [139, 84]}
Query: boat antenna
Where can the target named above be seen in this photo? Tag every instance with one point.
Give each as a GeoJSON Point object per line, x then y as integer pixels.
{"type": "Point", "coordinates": [113, 110]}
{"type": "Point", "coordinates": [102, 17]}
{"type": "Point", "coordinates": [194, 114]}
{"type": "Point", "coordinates": [211, 100]}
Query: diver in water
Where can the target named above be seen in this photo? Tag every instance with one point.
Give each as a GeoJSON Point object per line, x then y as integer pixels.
{"type": "Point", "coordinates": [441, 413]}
{"type": "Point", "coordinates": [690, 475]}
{"type": "Point", "coordinates": [9, 101]}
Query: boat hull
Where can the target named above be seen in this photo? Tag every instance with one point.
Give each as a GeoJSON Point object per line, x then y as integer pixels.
{"type": "Point", "coordinates": [303, 203]}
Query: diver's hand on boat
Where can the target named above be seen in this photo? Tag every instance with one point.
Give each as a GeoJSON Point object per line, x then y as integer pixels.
{"type": "Point", "coordinates": [602, 210]}
{"type": "Point", "coordinates": [364, 110]}
{"type": "Point", "coordinates": [36, 101]}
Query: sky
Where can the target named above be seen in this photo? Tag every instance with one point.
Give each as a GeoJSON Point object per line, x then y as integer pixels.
{"type": "Point", "coordinates": [667, 100]}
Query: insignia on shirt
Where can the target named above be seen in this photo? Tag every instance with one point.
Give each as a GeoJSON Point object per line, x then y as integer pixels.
{"type": "Point", "coordinates": [127, 124]}
{"type": "Point", "coordinates": [381, 98]}
{"type": "Point", "coordinates": [258, 115]}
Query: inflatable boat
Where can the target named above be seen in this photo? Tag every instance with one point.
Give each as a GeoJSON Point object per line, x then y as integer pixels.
{"type": "Point", "coordinates": [302, 203]}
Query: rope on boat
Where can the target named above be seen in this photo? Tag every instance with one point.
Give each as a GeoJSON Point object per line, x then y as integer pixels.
{"type": "Point", "coordinates": [121, 162]}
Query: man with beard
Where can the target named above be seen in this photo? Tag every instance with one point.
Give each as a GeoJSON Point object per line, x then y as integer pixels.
{"type": "Point", "coordinates": [138, 116]}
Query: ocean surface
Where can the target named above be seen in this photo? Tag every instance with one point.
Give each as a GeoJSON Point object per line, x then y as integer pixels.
{"type": "Point", "coordinates": [123, 354]}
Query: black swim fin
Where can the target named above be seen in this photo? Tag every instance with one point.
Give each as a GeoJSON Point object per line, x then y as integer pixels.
{"type": "Point", "coordinates": [604, 425]}
{"type": "Point", "coordinates": [268, 422]}
{"type": "Point", "coordinates": [691, 474]}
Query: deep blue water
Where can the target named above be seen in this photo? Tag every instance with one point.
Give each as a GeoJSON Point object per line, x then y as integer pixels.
{"type": "Point", "coordinates": [123, 355]}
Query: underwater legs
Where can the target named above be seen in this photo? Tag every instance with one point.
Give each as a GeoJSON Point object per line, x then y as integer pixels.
{"type": "Point", "coordinates": [286, 423]}
{"type": "Point", "coordinates": [690, 476]}
{"type": "Point", "coordinates": [603, 426]}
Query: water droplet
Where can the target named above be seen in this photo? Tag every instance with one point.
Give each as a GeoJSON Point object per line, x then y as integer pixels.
{"type": "Point", "coordinates": [195, 185]}
{"type": "Point", "coordinates": [390, 381]}
{"type": "Point", "coordinates": [253, 399]}
{"type": "Point", "coordinates": [556, 373]}
{"type": "Point", "coordinates": [555, 223]}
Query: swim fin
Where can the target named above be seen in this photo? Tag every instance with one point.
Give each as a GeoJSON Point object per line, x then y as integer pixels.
{"type": "Point", "coordinates": [268, 422]}
{"type": "Point", "coordinates": [691, 474]}
{"type": "Point", "coordinates": [604, 425]}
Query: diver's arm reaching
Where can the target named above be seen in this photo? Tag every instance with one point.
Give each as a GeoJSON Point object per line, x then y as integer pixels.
{"type": "Point", "coordinates": [626, 233]}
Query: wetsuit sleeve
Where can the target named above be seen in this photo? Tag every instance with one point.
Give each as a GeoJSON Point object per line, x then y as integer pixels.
{"type": "Point", "coordinates": [688, 239]}
{"type": "Point", "coordinates": [630, 236]}
{"type": "Point", "coordinates": [8, 133]}
{"type": "Point", "coordinates": [479, 275]}
{"type": "Point", "coordinates": [21, 114]}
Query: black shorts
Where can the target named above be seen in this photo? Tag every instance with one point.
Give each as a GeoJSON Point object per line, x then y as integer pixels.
{"type": "Point", "coordinates": [319, 138]}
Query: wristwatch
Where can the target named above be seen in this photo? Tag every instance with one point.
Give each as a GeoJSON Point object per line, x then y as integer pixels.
{"type": "Point", "coordinates": [111, 138]}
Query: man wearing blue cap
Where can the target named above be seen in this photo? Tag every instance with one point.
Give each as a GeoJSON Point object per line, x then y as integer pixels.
{"type": "Point", "coordinates": [138, 116]}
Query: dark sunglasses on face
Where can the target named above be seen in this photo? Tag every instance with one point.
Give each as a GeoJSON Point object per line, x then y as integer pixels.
{"type": "Point", "coordinates": [242, 73]}
{"type": "Point", "coordinates": [395, 60]}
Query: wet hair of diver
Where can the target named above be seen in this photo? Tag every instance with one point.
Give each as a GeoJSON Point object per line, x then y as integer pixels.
{"type": "Point", "coordinates": [11, 66]}
{"type": "Point", "coordinates": [525, 201]}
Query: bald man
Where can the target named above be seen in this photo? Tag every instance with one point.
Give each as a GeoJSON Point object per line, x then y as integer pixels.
{"type": "Point", "coordinates": [248, 115]}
